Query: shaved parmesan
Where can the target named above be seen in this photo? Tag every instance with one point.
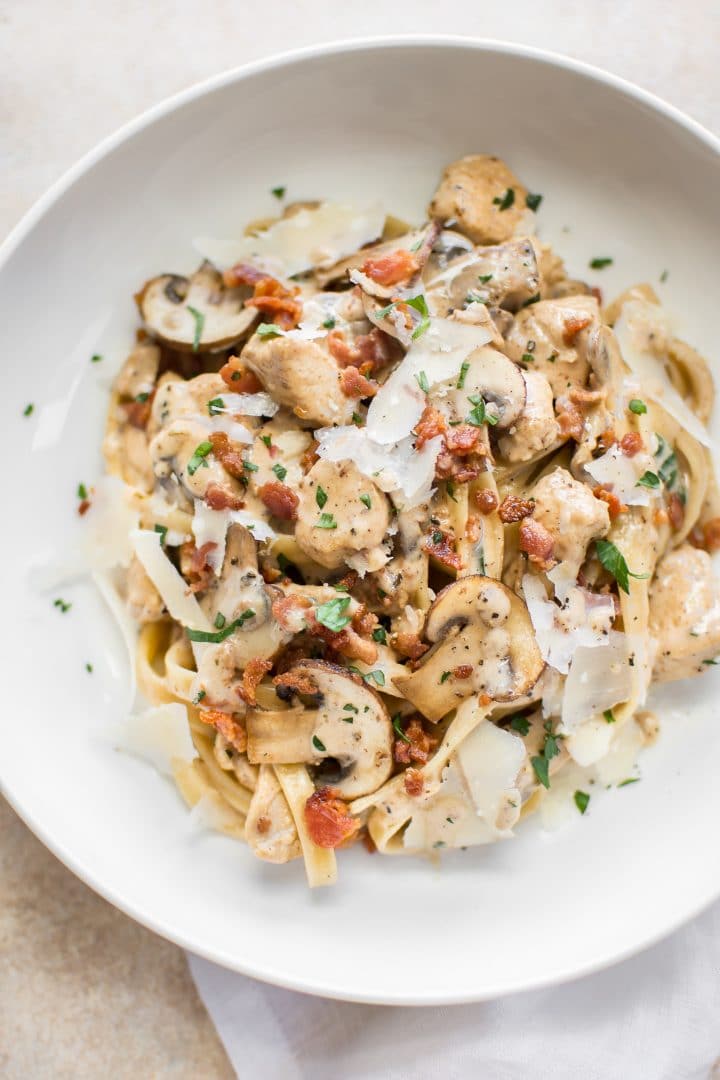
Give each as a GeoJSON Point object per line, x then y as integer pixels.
{"type": "Point", "coordinates": [598, 679]}
{"type": "Point", "coordinates": [639, 319]}
{"type": "Point", "coordinates": [582, 621]}
{"type": "Point", "coordinates": [107, 587]}
{"type": "Point", "coordinates": [179, 601]}
{"type": "Point", "coordinates": [590, 741]}
{"type": "Point", "coordinates": [108, 523]}
{"type": "Point", "coordinates": [260, 404]}
{"type": "Point", "coordinates": [210, 527]}
{"type": "Point", "coordinates": [621, 759]}
{"type": "Point", "coordinates": [307, 239]}
{"type": "Point", "coordinates": [448, 819]}
{"type": "Point", "coordinates": [254, 524]}
{"type": "Point", "coordinates": [159, 736]}
{"type": "Point", "coordinates": [620, 473]}
{"type": "Point", "coordinates": [490, 760]}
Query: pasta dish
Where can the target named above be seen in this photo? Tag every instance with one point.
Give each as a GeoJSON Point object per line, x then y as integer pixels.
{"type": "Point", "coordinates": [408, 521]}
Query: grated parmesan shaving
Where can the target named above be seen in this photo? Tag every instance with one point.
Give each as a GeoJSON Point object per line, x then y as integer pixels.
{"type": "Point", "coordinates": [158, 736]}
{"type": "Point", "coordinates": [583, 620]}
{"type": "Point", "coordinates": [172, 587]}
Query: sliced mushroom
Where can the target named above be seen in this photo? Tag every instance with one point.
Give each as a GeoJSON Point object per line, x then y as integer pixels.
{"type": "Point", "coordinates": [496, 379]}
{"type": "Point", "coordinates": [480, 196]}
{"type": "Point", "coordinates": [269, 828]}
{"type": "Point", "coordinates": [505, 275]}
{"type": "Point", "coordinates": [477, 624]}
{"type": "Point", "coordinates": [195, 314]}
{"type": "Point", "coordinates": [344, 730]}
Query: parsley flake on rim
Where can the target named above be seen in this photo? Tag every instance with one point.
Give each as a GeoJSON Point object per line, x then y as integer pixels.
{"type": "Point", "coordinates": [82, 492]}
{"type": "Point", "coordinates": [422, 382]}
{"type": "Point", "coordinates": [326, 521]}
{"type": "Point", "coordinates": [278, 192]}
{"type": "Point", "coordinates": [600, 263]}
{"type": "Point", "coordinates": [533, 201]}
{"type": "Point", "coordinates": [162, 530]}
{"type": "Point", "coordinates": [198, 458]}
{"type": "Point", "coordinates": [95, 358]}
{"type": "Point", "coordinates": [226, 631]}
{"type": "Point", "coordinates": [504, 202]}
{"type": "Point", "coordinates": [27, 411]}
{"type": "Point", "coordinates": [541, 763]}
{"type": "Point", "coordinates": [581, 800]}
{"type": "Point", "coordinates": [614, 562]}
{"type": "Point", "coordinates": [519, 723]}
{"type": "Point", "coordinates": [332, 613]}
{"type": "Point", "coordinates": [199, 318]}
{"type": "Point", "coordinates": [62, 605]}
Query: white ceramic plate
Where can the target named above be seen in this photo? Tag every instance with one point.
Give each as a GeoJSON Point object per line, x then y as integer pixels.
{"type": "Point", "coordinates": [622, 175]}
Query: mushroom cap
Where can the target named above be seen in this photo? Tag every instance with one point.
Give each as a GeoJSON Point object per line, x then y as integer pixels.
{"type": "Point", "coordinates": [346, 721]}
{"type": "Point", "coordinates": [474, 622]}
{"type": "Point", "coordinates": [165, 303]}
{"type": "Point", "coordinates": [496, 378]}
{"type": "Point", "coordinates": [503, 275]}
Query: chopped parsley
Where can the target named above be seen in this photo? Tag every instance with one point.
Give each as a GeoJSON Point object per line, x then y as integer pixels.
{"type": "Point", "coordinates": [268, 330]}
{"type": "Point", "coordinates": [350, 708]}
{"type": "Point", "coordinates": [329, 323]}
{"type": "Point", "coordinates": [422, 382]}
{"type": "Point", "coordinates": [504, 202]}
{"type": "Point", "coordinates": [601, 263]}
{"type": "Point", "coordinates": [89, 669]}
{"type": "Point", "coordinates": [614, 562]}
{"type": "Point", "coordinates": [215, 406]}
{"type": "Point", "coordinates": [280, 471]}
{"type": "Point", "coordinates": [649, 480]}
{"type": "Point", "coordinates": [479, 414]}
{"type": "Point", "coordinates": [332, 614]}
{"type": "Point", "coordinates": [198, 697]}
{"type": "Point", "coordinates": [376, 676]}
{"type": "Point", "coordinates": [198, 458]}
{"type": "Point", "coordinates": [398, 730]}
{"type": "Point", "coordinates": [581, 800]}
{"type": "Point", "coordinates": [82, 492]}
{"type": "Point", "coordinates": [664, 276]}
{"type": "Point", "coordinates": [220, 621]}
{"type": "Point", "coordinates": [95, 358]}
{"type": "Point", "coordinates": [380, 634]}
{"type": "Point", "coordinates": [162, 530]}
{"type": "Point", "coordinates": [637, 406]}
{"type": "Point", "coordinates": [450, 488]}
{"type": "Point", "coordinates": [532, 300]}
{"type": "Point", "coordinates": [366, 501]}
{"type": "Point", "coordinates": [278, 192]}
{"type": "Point", "coordinates": [609, 716]}
{"type": "Point", "coordinates": [475, 298]}
{"type": "Point", "coordinates": [62, 605]}
{"type": "Point", "coordinates": [527, 358]}
{"type": "Point", "coordinates": [357, 418]}
{"type": "Point", "coordinates": [250, 466]}
{"type": "Point", "coordinates": [541, 763]}
{"type": "Point", "coordinates": [142, 397]}
{"type": "Point", "coordinates": [484, 278]}
{"type": "Point", "coordinates": [630, 780]}
{"type": "Point", "coordinates": [27, 411]}
{"type": "Point", "coordinates": [419, 304]}
{"type": "Point", "coordinates": [267, 439]}
{"type": "Point", "coordinates": [320, 496]}
{"type": "Point", "coordinates": [711, 662]}
{"type": "Point", "coordinates": [445, 676]}
{"type": "Point", "coordinates": [226, 631]}
{"type": "Point", "coordinates": [199, 318]}
{"type": "Point", "coordinates": [533, 201]}
{"type": "Point", "coordinates": [464, 368]}
{"type": "Point", "coordinates": [519, 723]}
{"type": "Point", "coordinates": [326, 521]}
{"type": "Point", "coordinates": [318, 745]}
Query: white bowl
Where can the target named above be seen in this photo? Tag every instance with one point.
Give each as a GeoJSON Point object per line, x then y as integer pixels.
{"type": "Point", "coordinates": [622, 175]}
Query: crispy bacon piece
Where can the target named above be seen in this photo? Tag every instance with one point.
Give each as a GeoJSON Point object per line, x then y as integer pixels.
{"type": "Point", "coordinates": [614, 505]}
{"type": "Point", "coordinates": [410, 645]}
{"type": "Point", "coordinates": [328, 820]}
{"type": "Point", "coordinates": [606, 439]}
{"type": "Point", "coordinates": [138, 412]}
{"type": "Point", "coordinates": [291, 611]}
{"type": "Point", "coordinates": [472, 528]}
{"type": "Point", "coordinates": [364, 621]}
{"type": "Point", "coordinates": [676, 510]}
{"type": "Point", "coordinates": [513, 508]}
{"type": "Point", "coordinates": [349, 580]}
{"type": "Point", "coordinates": [571, 421]}
{"type": "Point", "coordinates": [194, 565]}
{"type": "Point", "coordinates": [573, 325]}
{"type": "Point", "coordinates": [430, 424]}
{"type": "Point", "coordinates": [707, 535]}
{"type": "Point", "coordinates": [631, 443]}
{"type": "Point", "coordinates": [252, 677]}
{"type": "Point", "coordinates": [374, 349]}
{"type": "Point", "coordinates": [391, 268]}
{"type": "Point", "coordinates": [242, 274]}
{"type": "Point", "coordinates": [346, 642]}
{"type": "Point", "coordinates": [277, 303]}
{"type": "Point", "coordinates": [295, 682]}
{"type": "Point", "coordinates": [421, 746]}
{"type": "Point", "coordinates": [228, 454]}
{"type": "Point", "coordinates": [219, 498]}
{"type": "Point", "coordinates": [310, 456]}
{"type": "Point", "coordinates": [486, 501]}
{"type": "Point", "coordinates": [238, 378]}
{"type": "Point", "coordinates": [280, 500]}
{"type": "Point", "coordinates": [537, 543]}
{"type": "Point", "coordinates": [462, 439]}
{"type": "Point", "coordinates": [413, 782]}
{"type": "Point", "coordinates": [355, 385]}
{"type": "Point", "coordinates": [439, 544]}
{"type": "Point", "coordinates": [462, 671]}
{"type": "Point", "coordinates": [660, 517]}
{"type": "Point", "coordinates": [228, 726]}
{"type": "Point", "coordinates": [83, 507]}
{"type": "Point", "coordinates": [449, 467]}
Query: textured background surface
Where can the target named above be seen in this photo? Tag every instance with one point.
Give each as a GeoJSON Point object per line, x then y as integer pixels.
{"type": "Point", "coordinates": [83, 990]}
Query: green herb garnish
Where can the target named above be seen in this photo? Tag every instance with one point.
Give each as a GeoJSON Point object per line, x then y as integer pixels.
{"type": "Point", "coordinates": [162, 530]}
{"type": "Point", "coordinates": [649, 480]}
{"type": "Point", "coordinates": [220, 621]}
{"type": "Point", "coordinates": [464, 368]}
{"type": "Point", "coordinates": [445, 676]}
{"type": "Point", "coordinates": [366, 501]}
{"type": "Point", "coordinates": [504, 202]}
{"type": "Point", "coordinates": [198, 458]}
{"type": "Point", "coordinates": [519, 723]}
{"type": "Point", "coordinates": [630, 780]}
{"type": "Point", "coordinates": [581, 800]}
{"type": "Point", "coordinates": [199, 325]}
{"type": "Point", "coordinates": [332, 613]}
{"type": "Point", "coordinates": [320, 496]}
{"type": "Point", "coordinates": [215, 406]}
{"type": "Point", "coordinates": [637, 406]}
{"type": "Point", "coordinates": [62, 605]}
{"type": "Point", "coordinates": [27, 411]}
{"type": "Point", "coordinates": [422, 382]}
{"type": "Point", "coordinates": [318, 745]}
{"type": "Point", "coordinates": [199, 696]}
{"type": "Point", "coordinates": [609, 716]}
{"type": "Point", "coordinates": [278, 192]}
{"type": "Point", "coordinates": [614, 562]}
{"type": "Point", "coordinates": [280, 471]}
{"type": "Point", "coordinates": [533, 300]}
{"type": "Point", "coordinates": [600, 264]}
{"type": "Point", "coordinates": [380, 634]}
{"type": "Point", "coordinates": [398, 730]}
{"type": "Point", "coordinates": [89, 669]}
{"type": "Point", "coordinates": [82, 492]}
{"type": "Point", "coordinates": [226, 631]}
{"type": "Point", "coordinates": [268, 330]}
{"type": "Point", "coordinates": [95, 358]}
{"type": "Point", "coordinates": [533, 201]}
{"type": "Point", "coordinates": [326, 521]}
{"type": "Point", "coordinates": [479, 415]}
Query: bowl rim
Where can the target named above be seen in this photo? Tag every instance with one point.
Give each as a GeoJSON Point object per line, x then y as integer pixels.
{"type": "Point", "coordinates": [13, 240]}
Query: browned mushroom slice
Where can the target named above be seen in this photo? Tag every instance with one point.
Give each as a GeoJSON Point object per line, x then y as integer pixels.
{"type": "Point", "coordinates": [196, 314]}
{"type": "Point", "coordinates": [504, 275]}
{"type": "Point", "coordinates": [483, 643]}
{"type": "Point", "coordinates": [341, 727]}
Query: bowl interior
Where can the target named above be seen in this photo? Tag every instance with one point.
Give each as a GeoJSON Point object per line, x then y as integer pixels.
{"type": "Point", "coordinates": [620, 178]}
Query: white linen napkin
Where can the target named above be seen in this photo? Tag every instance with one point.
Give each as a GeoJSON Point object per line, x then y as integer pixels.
{"type": "Point", "coordinates": [654, 1017]}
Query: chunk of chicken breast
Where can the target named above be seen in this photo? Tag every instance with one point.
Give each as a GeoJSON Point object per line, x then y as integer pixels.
{"type": "Point", "coordinates": [482, 197]}
{"type": "Point", "coordinates": [570, 511]}
{"type": "Point", "coordinates": [684, 614]}
{"type": "Point", "coordinates": [537, 428]}
{"type": "Point", "coordinates": [302, 375]}
{"type": "Point", "coordinates": [354, 521]}
{"type": "Point", "coordinates": [554, 333]}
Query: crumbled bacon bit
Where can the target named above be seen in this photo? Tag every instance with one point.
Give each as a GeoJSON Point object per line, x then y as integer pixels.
{"type": "Point", "coordinates": [242, 274]}
{"type": "Point", "coordinates": [262, 825]}
{"type": "Point", "coordinates": [486, 501]}
{"type": "Point", "coordinates": [707, 535]}
{"type": "Point", "coordinates": [570, 421]}
{"type": "Point", "coordinates": [374, 349]}
{"type": "Point", "coordinates": [364, 621]}
{"type": "Point", "coordinates": [349, 580]}
{"type": "Point", "coordinates": [228, 726]}
{"type": "Point", "coordinates": [280, 500]}
{"type": "Point", "coordinates": [579, 396]}
{"type": "Point", "coordinates": [309, 457]}
{"type": "Point", "coordinates": [421, 746]}
{"type": "Point", "coordinates": [513, 508]}
{"type": "Point", "coordinates": [327, 819]}
{"type": "Point", "coordinates": [676, 510]}
{"type": "Point", "coordinates": [218, 498]}
{"type": "Point", "coordinates": [573, 325]}
{"type": "Point", "coordinates": [345, 642]}
{"type": "Point", "coordinates": [83, 507]}
{"type": "Point", "coordinates": [281, 305]}
{"type": "Point", "coordinates": [194, 566]}
{"type": "Point", "coordinates": [413, 782]}
{"type": "Point", "coordinates": [472, 528]}
{"type": "Point", "coordinates": [462, 439]}
{"type": "Point", "coordinates": [391, 268]}
{"type": "Point", "coordinates": [660, 517]}
{"type": "Point", "coordinates": [138, 412]}
{"type": "Point", "coordinates": [484, 699]}
{"type": "Point", "coordinates": [410, 645]}
{"type": "Point", "coordinates": [228, 454]}
{"type": "Point", "coordinates": [238, 378]}
{"type": "Point", "coordinates": [296, 682]}
{"type": "Point", "coordinates": [355, 385]}
{"type": "Point", "coordinates": [290, 612]}
{"type": "Point", "coordinates": [606, 439]}
{"type": "Point", "coordinates": [440, 545]}
{"type": "Point", "coordinates": [448, 467]}
{"type": "Point", "coordinates": [614, 505]}
{"type": "Point", "coordinates": [252, 677]}
{"type": "Point", "coordinates": [631, 443]}
{"type": "Point", "coordinates": [537, 543]}
{"type": "Point", "coordinates": [462, 671]}
{"type": "Point", "coordinates": [430, 424]}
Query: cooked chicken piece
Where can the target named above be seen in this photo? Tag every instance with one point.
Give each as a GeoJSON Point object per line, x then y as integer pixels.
{"type": "Point", "coordinates": [177, 397]}
{"type": "Point", "coordinates": [335, 524]}
{"type": "Point", "coordinates": [537, 428]}
{"type": "Point", "coordinates": [144, 602]}
{"type": "Point", "coordinates": [552, 336]}
{"type": "Point", "coordinates": [183, 450]}
{"type": "Point", "coordinates": [571, 513]}
{"type": "Point", "coordinates": [684, 614]}
{"type": "Point", "coordinates": [481, 197]}
{"type": "Point", "coordinates": [302, 375]}
{"type": "Point", "coordinates": [396, 585]}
